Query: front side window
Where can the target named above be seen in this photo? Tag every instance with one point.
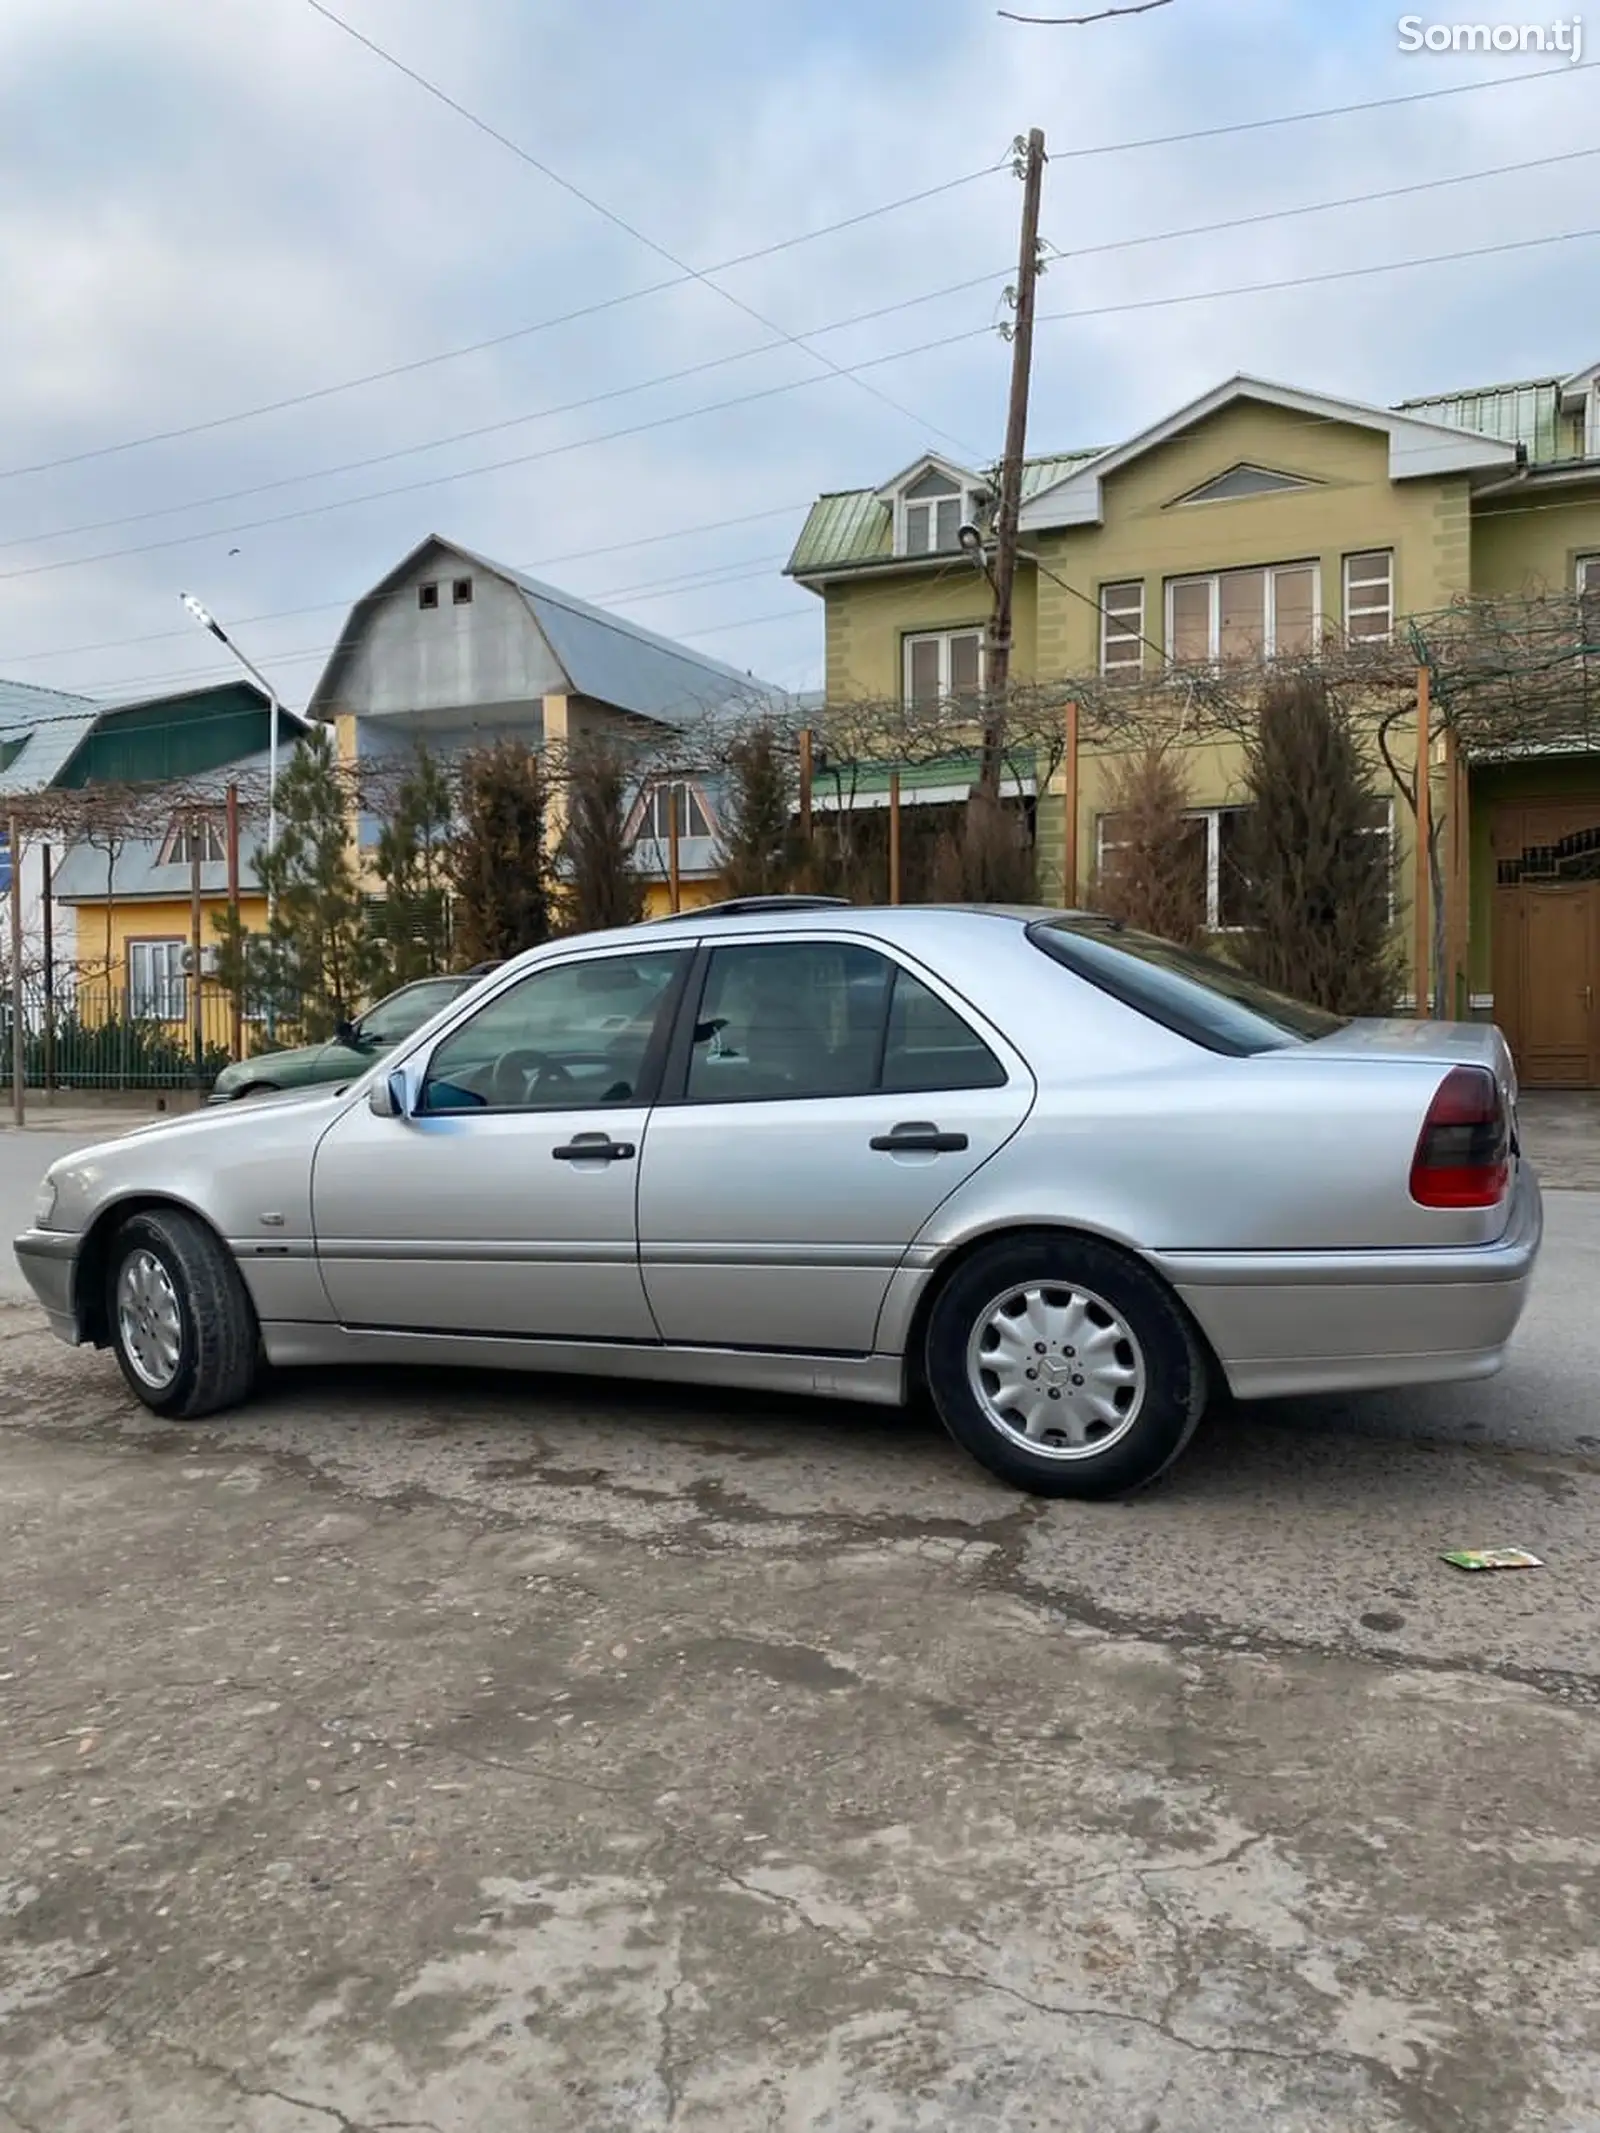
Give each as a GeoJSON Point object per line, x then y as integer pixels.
{"type": "Point", "coordinates": [576, 1036]}
{"type": "Point", "coordinates": [1243, 615]}
{"type": "Point", "coordinates": [943, 666]}
{"type": "Point", "coordinates": [157, 988]}
{"type": "Point", "coordinates": [798, 1019]}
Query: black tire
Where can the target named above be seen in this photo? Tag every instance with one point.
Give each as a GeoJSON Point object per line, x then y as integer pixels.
{"type": "Point", "coordinates": [218, 1339]}
{"type": "Point", "coordinates": [1164, 1412]}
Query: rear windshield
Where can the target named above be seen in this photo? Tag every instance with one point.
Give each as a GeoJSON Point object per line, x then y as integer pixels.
{"type": "Point", "coordinates": [1198, 996]}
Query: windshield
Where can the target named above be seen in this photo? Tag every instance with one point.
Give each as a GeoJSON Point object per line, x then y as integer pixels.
{"type": "Point", "coordinates": [406, 1011]}
{"type": "Point", "coordinates": [1199, 996]}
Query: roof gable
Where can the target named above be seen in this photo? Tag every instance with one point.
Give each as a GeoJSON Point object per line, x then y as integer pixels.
{"type": "Point", "coordinates": [929, 463]}
{"type": "Point", "coordinates": [600, 655]}
{"type": "Point", "coordinates": [1416, 446]}
{"type": "Point", "coordinates": [853, 529]}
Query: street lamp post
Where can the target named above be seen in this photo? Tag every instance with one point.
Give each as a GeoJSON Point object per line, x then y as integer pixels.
{"type": "Point", "coordinates": [208, 621]}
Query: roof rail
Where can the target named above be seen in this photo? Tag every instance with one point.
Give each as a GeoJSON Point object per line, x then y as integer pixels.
{"type": "Point", "coordinates": [743, 906]}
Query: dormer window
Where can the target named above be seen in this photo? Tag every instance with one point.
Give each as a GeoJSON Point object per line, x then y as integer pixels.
{"type": "Point", "coordinates": [932, 515]}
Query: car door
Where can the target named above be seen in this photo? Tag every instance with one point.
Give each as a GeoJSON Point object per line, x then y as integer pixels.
{"type": "Point", "coordinates": [821, 1101]}
{"type": "Point", "coordinates": [503, 1201]}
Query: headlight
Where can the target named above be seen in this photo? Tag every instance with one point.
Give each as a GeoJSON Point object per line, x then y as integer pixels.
{"type": "Point", "coordinates": [45, 1205]}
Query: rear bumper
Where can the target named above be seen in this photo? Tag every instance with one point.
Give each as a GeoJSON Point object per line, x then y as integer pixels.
{"type": "Point", "coordinates": [49, 1258]}
{"type": "Point", "coordinates": [1350, 1321]}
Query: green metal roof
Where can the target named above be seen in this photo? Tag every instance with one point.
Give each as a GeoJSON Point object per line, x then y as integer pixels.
{"type": "Point", "coordinates": [851, 528]}
{"type": "Point", "coordinates": [1528, 413]}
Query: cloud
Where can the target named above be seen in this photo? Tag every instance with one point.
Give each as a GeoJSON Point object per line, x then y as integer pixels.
{"type": "Point", "coordinates": [210, 204]}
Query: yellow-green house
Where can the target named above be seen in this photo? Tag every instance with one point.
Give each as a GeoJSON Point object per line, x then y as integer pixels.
{"type": "Point", "coordinates": [1262, 520]}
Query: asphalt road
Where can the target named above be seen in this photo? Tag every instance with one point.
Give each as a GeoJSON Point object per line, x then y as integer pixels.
{"type": "Point", "coordinates": [481, 1753]}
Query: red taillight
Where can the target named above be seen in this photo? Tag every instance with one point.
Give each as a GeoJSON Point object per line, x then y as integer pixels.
{"type": "Point", "coordinates": [1463, 1157]}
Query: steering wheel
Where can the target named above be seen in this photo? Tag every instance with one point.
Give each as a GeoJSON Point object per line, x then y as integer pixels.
{"type": "Point", "coordinates": [518, 1074]}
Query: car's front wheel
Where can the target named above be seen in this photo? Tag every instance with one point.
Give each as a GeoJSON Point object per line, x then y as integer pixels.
{"type": "Point", "coordinates": [182, 1324]}
{"type": "Point", "coordinates": [1064, 1366]}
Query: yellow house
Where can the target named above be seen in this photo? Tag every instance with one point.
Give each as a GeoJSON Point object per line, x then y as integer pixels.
{"type": "Point", "coordinates": [1256, 521]}
{"type": "Point", "coordinates": [147, 919]}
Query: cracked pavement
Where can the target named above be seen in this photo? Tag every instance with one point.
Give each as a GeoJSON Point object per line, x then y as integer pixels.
{"type": "Point", "coordinates": [459, 1755]}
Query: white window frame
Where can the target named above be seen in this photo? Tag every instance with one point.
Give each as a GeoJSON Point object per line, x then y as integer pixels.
{"type": "Point", "coordinates": [215, 847]}
{"type": "Point", "coordinates": [944, 639]}
{"type": "Point", "coordinates": [965, 500]}
{"type": "Point", "coordinates": [1365, 555]}
{"type": "Point", "coordinates": [657, 790]}
{"type": "Point", "coordinates": [1212, 818]}
{"type": "Point", "coordinates": [1586, 577]}
{"type": "Point", "coordinates": [1385, 830]}
{"type": "Point", "coordinates": [1212, 579]}
{"type": "Point", "coordinates": [1133, 613]}
{"type": "Point", "coordinates": [163, 983]}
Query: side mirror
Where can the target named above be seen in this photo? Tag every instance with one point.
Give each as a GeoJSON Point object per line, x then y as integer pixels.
{"type": "Point", "coordinates": [346, 1033]}
{"type": "Point", "coordinates": [387, 1098]}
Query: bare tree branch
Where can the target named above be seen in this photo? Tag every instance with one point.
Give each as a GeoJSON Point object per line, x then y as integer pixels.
{"type": "Point", "coordinates": [1078, 22]}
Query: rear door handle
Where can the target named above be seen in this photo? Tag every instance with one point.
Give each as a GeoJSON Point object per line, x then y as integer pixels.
{"type": "Point", "coordinates": [594, 1148]}
{"type": "Point", "coordinates": [918, 1138]}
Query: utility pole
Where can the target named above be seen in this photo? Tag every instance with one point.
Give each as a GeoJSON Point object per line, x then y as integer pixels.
{"type": "Point", "coordinates": [997, 679]}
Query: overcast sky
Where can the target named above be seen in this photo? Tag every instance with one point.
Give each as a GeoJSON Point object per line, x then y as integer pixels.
{"type": "Point", "coordinates": [208, 205]}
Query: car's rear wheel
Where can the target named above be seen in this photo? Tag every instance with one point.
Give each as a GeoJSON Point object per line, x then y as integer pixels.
{"type": "Point", "coordinates": [182, 1324]}
{"type": "Point", "coordinates": [1064, 1366]}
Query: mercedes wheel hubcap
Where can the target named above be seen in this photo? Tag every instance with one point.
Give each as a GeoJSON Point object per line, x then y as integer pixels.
{"type": "Point", "coordinates": [149, 1320]}
{"type": "Point", "coordinates": [1056, 1370]}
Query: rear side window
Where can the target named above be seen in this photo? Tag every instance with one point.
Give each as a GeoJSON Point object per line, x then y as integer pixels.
{"type": "Point", "coordinates": [929, 1046]}
{"type": "Point", "coordinates": [1196, 996]}
{"type": "Point", "coordinates": [826, 1018]}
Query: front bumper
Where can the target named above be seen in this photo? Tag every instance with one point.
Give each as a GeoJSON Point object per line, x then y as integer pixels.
{"type": "Point", "coordinates": [1304, 1322]}
{"type": "Point", "coordinates": [49, 1258]}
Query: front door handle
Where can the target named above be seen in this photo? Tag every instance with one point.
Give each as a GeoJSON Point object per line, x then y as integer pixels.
{"type": "Point", "coordinates": [594, 1148]}
{"type": "Point", "coordinates": [918, 1138]}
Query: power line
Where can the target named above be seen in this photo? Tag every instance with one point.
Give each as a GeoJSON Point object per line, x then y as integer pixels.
{"type": "Point", "coordinates": [520, 459]}
{"type": "Point", "coordinates": [1303, 118]}
{"type": "Point", "coordinates": [1120, 244]}
{"type": "Point", "coordinates": [508, 422]}
{"type": "Point", "coordinates": [1194, 296]}
{"type": "Point", "coordinates": [498, 340]}
{"type": "Point", "coordinates": [322, 607]}
{"type": "Point", "coordinates": [631, 229]}
{"type": "Point", "coordinates": [200, 676]}
{"type": "Point", "coordinates": [1319, 207]}
{"type": "Point", "coordinates": [652, 589]}
{"type": "Point", "coordinates": [1310, 281]}
{"type": "Point", "coordinates": [682, 280]}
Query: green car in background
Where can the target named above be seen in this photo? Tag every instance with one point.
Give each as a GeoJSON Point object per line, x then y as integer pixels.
{"type": "Point", "coordinates": [353, 1046]}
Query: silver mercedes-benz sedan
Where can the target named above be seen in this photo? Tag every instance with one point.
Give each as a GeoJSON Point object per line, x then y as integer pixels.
{"type": "Point", "coordinates": [1069, 1179]}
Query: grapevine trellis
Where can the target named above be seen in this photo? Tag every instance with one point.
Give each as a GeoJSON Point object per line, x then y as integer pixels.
{"type": "Point", "coordinates": [1483, 679]}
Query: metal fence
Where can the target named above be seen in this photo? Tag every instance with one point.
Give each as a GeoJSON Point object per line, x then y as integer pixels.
{"type": "Point", "coordinates": [85, 1031]}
